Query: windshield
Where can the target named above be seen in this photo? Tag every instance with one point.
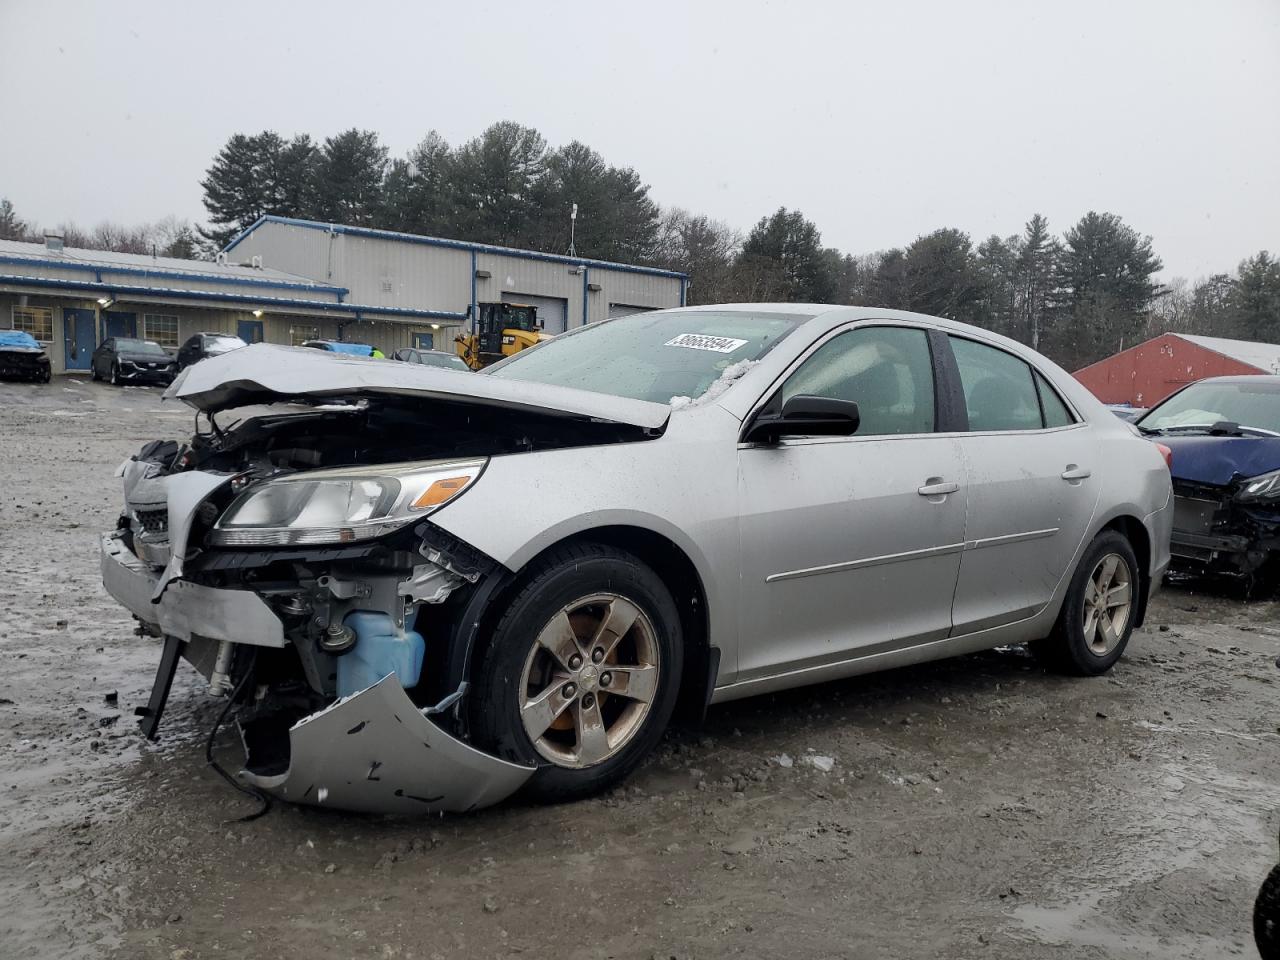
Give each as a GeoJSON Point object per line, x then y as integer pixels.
{"type": "Point", "coordinates": [223, 344]}
{"type": "Point", "coordinates": [1254, 405]}
{"type": "Point", "coordinates": [651, 356]}
{"type": "Point", "coordinates": [149, 347]}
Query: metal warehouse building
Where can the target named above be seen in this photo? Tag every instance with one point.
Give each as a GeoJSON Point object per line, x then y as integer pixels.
{"type": "Point", "coordinates": [286, 281]}
{"type": "Point", "coordinates": [1145, 374]}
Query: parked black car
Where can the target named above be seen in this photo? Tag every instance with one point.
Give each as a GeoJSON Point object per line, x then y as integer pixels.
{"type": "Point", "coordinates": [22, 358]}
{"type": "Point", "coordinates": [431, 358]}
{"type": "Point", "coordinates": [207, 345]}
{"type": "Point", "coordinates": [1225, 436]}
{"type": "Point", "coordinates": [125, 360]}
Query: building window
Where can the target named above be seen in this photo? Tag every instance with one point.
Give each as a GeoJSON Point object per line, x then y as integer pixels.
{"type": "Point", "coordinates": [300, 333]}
{"type": "Point", "coordinates": [161, 328]}
{"type": "Point", "coordinates": [37, 321]}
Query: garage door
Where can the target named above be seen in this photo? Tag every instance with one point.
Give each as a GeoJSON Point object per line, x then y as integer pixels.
{"type": "Point", "coordinates": [552, 311]}
{"type": "Point", "coordinates": [626, 309]}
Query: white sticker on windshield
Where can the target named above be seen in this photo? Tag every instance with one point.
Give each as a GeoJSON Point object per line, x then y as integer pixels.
{"type": "Point", "coordinates": [704, 341]}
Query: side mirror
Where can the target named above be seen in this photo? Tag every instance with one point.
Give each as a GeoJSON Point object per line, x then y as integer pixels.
{"type": "Point", "coordinates": [805, 416]}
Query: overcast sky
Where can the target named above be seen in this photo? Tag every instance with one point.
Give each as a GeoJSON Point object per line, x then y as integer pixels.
{"type": "Point", "coordinates": [879, 120]}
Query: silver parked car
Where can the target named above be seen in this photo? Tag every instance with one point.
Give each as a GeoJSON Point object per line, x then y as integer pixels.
{"type": "Point", "coordinates": [425, 589]}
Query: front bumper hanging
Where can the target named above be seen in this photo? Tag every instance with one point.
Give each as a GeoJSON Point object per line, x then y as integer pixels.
{"type": "Point", "coordinates": [375, 752]}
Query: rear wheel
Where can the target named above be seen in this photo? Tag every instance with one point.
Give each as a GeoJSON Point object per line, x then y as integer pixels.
{"type": "Point", "coordinates": [582, 671]}
{"type": "Point", "coordinates": [1098, 613]}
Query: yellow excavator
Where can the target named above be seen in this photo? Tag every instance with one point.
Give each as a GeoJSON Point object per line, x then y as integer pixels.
{"type": "Point", "coordinates": [501, 330]}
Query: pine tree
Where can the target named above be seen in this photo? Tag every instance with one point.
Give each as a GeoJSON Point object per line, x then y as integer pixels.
{"type": "Point", "coordinates": [783, 259]}
{"type": "Point", "coordinates": [496, 176]}
{"type": "Point", "coordinates": [347, 179]}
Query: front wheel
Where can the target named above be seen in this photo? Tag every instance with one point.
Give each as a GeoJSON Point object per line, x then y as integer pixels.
{"type": "Point", "coordinates": [1098, 613]}
{"type": "Point", "coordinates": [115, 375]}
{"type": "Point", "coordinates": [1266, 917]}
{"type": "Point", "coordinates": [581, 673]}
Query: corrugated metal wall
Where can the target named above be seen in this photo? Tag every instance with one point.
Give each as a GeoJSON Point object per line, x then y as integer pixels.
{"type": "Point", "coordinates": [1144, 375]}
{"type": "Point", "coordinates": [401, 273]}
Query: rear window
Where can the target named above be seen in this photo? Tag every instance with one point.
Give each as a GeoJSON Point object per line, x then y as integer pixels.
{"type": "Point", "coordinates": [661, 357]}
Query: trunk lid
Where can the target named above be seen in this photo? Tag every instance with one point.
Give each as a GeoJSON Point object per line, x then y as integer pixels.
{"type": "Point", "coordinates": [264, 373]}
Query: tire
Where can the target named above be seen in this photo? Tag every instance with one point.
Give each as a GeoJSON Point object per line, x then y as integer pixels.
{"type": "Point", "coordinates": [1266, 917]}
{"type": "Point", "coordinates": [93, 372]}
{"type": "Point", "coordinates": [566, 597]}
{"type": "Point", "coordinates": [1068, 648]}
{"type": "Point", "coordinates": [115, 375]}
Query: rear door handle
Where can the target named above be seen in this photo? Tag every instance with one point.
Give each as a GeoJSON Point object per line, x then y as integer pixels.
{"type": "Point", "coordinates": [937, 487]}
{"type": "Point", "coordinates": [1074, 472]}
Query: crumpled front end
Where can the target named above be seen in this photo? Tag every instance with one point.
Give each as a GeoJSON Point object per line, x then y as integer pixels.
{"type": "Point", "coordinates": [1215, 533]}
{"type": "Point", "coordinates": [376, 752]}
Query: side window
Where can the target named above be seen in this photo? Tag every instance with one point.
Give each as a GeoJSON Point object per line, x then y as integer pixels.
{"type": "Point", "coordinates": [888, 371]}
{"type": "Point", "coordinates": [999, 391]}
{"type": "Point", "coordinates": [1056, 413]}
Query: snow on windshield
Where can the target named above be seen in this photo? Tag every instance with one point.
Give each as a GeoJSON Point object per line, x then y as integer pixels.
{"type": "Point", "coordinates": [728, 376]}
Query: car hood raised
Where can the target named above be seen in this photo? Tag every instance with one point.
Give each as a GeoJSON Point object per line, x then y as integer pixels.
{"type": "Point", "coordinates": [1220, 460]}
{"type": "Point", "coordinates": [271, 373]}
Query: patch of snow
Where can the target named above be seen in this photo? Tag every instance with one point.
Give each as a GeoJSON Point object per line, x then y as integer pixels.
{"type": "Point", "coordinates": [819, 762]}
{"type": "Point", "coordinates": [783, 760]}
{"type": "Point", "coordinates": [728, 376]}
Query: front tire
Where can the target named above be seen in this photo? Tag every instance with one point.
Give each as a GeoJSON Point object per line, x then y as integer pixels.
{"type": "Point", "coordinates": [115, 375]}
{"type": "Point", "coordinates": [1098, 614]}
{"type": "Point", "coordinates": [1266, 917]}
{"type": "Point", "coordinates": [581, 673]}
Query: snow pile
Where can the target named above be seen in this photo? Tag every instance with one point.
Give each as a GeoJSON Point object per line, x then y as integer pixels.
{"type": "Point", "coordinates": [727, 378]}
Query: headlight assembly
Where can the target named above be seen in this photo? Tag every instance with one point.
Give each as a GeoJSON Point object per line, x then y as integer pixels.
{"type": "Point", "coordinates": [341, 506]}
{"type": "Point", "coordinates": [1265, 487]}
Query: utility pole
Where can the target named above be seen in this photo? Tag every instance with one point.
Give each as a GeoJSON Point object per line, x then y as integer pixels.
{"type": "Point", "coordinates": [573, 223]}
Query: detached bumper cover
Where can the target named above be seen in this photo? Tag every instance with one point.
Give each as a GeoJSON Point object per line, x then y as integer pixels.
{"type": "Point", "coordinates": [375, 752]}
{"type": "Point", "coordinates": [187, 608]}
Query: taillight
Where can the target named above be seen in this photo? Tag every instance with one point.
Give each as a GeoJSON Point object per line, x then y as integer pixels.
{"type": "Point", "coordinates": [1167, 453]}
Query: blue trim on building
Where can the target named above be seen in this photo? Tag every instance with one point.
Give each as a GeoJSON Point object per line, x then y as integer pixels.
{"type": "Point", "coordinates": [475, 265]}
{"type": "Point", "coordinates": [683, 284]}
{"type": "Point", "coordinates": [121, 291]}
{"type": "Point", "coordinates": [586, 275]}
{"type": "Point", "coordinates": [98, 269]}
{"type": "Point", "coordinates": [453, 245]}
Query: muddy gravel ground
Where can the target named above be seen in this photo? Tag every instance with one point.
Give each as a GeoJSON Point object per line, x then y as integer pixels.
{"type": "Point", "coordinates": [976, 807]}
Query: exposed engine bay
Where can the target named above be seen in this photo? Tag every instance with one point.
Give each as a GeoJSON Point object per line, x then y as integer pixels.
{"type": "Point", "coordinates": [365, 624]}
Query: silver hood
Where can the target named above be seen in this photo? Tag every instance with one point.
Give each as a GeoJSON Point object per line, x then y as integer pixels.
{"type": "Point", "coordinates": [270, 373]}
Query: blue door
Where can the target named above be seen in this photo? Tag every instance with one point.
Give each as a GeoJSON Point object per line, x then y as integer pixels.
{"type": "Point", "coordinates": [250, 331]}
{"type": "Point", "coordinates": [116, 324]}
{"type": "Point", "coordinates": [424, 341]}
{"type": "Point", "coordinates": [77, 337]}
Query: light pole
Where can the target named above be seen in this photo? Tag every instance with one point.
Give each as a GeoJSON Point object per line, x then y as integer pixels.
{"type": "Point", "coordinates": [573, 223]}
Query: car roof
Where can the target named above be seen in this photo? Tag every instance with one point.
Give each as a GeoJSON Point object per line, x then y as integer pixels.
{"type": "Point", "coordinates": [1243, 378]}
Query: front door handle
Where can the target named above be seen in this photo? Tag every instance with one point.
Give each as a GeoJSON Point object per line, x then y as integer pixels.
{"type": "Point", "coordinates": [937, 487]}
{"type": "Point", "coordinates": [1076, 473]}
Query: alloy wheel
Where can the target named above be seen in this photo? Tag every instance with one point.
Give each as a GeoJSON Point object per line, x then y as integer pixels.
{"type": "Point", "coordinates": [1108, 602]}
{"type": "Point", "coordinates": [589, 680]}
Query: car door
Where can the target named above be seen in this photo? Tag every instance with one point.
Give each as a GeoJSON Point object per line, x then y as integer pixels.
{"type": "Point", "coordinates": [1028, 466]}
{"type": "Point", "coordinates": [190, 351]}
{"type": "Point", "coordinates": [97, 361]}
{"type": "Point", "coordinates": [851, 545]}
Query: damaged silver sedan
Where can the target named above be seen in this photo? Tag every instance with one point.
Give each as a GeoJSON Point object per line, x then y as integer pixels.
{"type": "Point", "coordinates": [426, 590]}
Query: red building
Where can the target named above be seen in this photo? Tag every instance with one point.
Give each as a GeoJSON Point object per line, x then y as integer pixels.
{"type": "Point", "coordinates": [1144, 375]}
